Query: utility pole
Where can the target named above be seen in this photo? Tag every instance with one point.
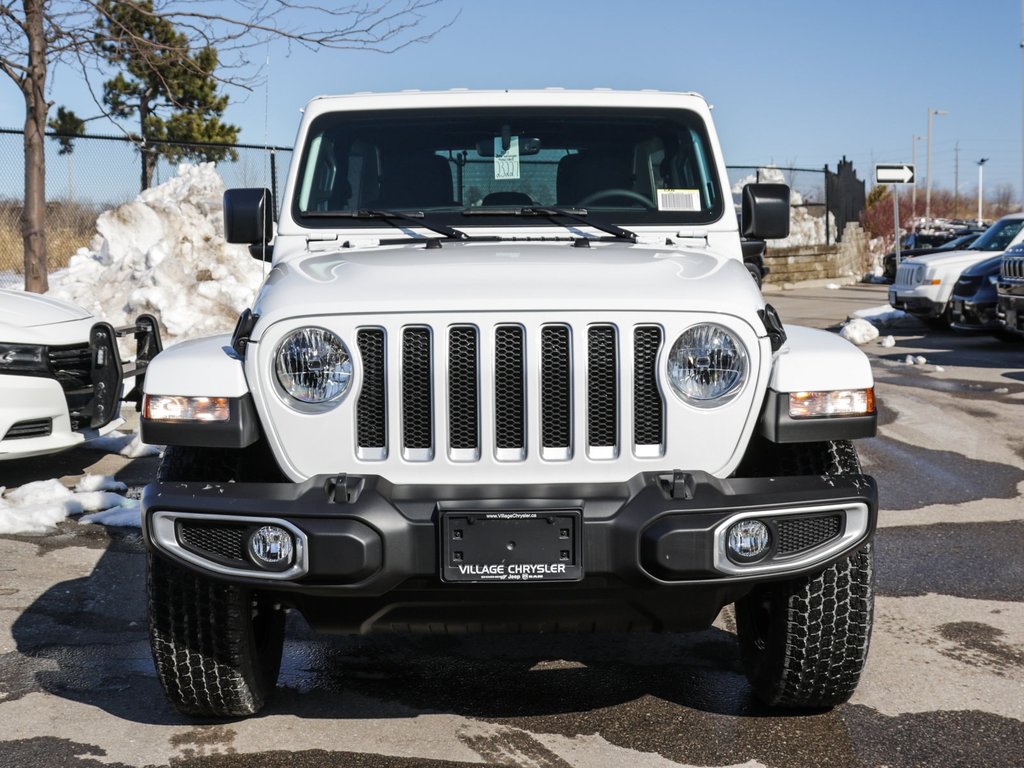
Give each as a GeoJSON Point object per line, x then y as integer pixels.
{"type": "Point", "coordinates": [981, 178]}
{"type": "Point", "coordinates": [928, 187]}
{"type": "Point", "coordinates": [956, 181]}
{"type": "Point", "coordinates": [913, 188]}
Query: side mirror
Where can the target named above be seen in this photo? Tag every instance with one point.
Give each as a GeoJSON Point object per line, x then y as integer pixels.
{"type": "Point", "coordinates": [248, 216]}
{"type": "Point", "coordinates": [765, 212]}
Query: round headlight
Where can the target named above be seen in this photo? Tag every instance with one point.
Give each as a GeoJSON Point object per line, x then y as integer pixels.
{"type": "Point", "coordinates": [707, 365]}
{"type": "Point", "coordinates": [313, 365]}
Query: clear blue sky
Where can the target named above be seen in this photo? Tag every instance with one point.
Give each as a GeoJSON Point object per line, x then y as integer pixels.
{"type": "Point", "coordinates": [794, 82]}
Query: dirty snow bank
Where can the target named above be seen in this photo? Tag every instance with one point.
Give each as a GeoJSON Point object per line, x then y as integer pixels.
{"type": "Point", "coordinates": [38, 507]}
{"type": "Point", "coordinates": [165, 253]}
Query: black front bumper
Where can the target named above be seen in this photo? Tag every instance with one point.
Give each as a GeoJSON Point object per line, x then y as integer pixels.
{"type": "Point", "coordinates": [651, 549]}
{"type": "Point", "coordinates": [1011, 307]}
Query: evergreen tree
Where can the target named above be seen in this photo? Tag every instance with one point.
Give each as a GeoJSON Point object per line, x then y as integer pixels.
{"type": "Point", "coordinates": [166, 86]}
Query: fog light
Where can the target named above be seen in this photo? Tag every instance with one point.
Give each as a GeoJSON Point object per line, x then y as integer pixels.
{"type": "Point", "coordinates": [748, 540]}
{"type": "Point", "coordinates": [271, 547]}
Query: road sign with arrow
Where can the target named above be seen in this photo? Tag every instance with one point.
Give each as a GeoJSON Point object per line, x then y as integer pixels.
{"type": "Point", "coordinates": [895, 173]}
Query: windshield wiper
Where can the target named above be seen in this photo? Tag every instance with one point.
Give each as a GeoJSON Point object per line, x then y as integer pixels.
{"type": "Point", "coordinates": [548, 212]}
{"type": "Point", "coordinates": [416, 218]}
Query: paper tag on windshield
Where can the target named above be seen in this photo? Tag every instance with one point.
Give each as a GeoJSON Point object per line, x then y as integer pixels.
{"type": "Point", "coordinates": [506, 161]}
{"type": "Point", "coordinates": [678, 200]}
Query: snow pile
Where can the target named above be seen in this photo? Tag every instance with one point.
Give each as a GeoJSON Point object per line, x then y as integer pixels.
{"type": "Point", "coordinates": [884, 316]}
{"type": "Point", "coordinates": [915, 360]}
{"type": "Point", "coordinates": [38, 507]}
{"type": "Point", "coordinates": [804, 227]}
{"type": "Point", "coordinates": [858, 331]}
{"type": "Point", "coordinates": [888, 341]}
{"type": "Point", "coordinates": [165, 253]}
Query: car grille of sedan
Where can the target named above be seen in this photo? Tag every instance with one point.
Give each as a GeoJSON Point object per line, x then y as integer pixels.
{"type": "Point", "coordinates": [967, 285]}
{"type": "Point", "coordinates": [71, 366]}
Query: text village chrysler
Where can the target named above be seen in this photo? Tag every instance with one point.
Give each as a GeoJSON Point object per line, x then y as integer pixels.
{"type": "Point", "coordinates": [508, 373]}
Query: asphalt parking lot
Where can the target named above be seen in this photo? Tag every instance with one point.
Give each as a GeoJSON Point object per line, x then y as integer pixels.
{"type": "Point", "coordinates": [943, 685]}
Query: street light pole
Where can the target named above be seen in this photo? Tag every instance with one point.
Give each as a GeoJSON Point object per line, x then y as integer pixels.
{"type": "Point", "coordinates": [913, 187]}
{"type": "Point", "coordinates": [928, 188]}
{"type": "Point", "coordinates": [981, 179]}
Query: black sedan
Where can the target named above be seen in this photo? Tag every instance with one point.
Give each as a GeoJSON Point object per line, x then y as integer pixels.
{"type": "Point", "coordinates": [973, 303]}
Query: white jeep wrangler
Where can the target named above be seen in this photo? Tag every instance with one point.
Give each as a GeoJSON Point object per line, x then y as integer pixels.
{"type": "Point", "coordinates": [508, 373]}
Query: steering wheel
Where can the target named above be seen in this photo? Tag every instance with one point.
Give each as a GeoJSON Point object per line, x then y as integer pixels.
{"type": "Point", "coordinates": [601, 194]}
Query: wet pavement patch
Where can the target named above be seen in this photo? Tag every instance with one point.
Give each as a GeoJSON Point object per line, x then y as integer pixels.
{"type": "Point", "coordinates": [980, 645]}
{"type": "Point", "coordinates": [972, 560]}
{"type": "Point", "coordinates": [910, 477]}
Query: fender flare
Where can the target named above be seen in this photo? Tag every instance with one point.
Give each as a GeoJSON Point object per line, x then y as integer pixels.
{"type": "Point", "coordinates": [815, 361]}
{"type": "Point", "coordinates": [206, 367]}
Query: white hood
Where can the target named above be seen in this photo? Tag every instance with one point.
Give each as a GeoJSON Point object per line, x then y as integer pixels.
{"type": "Point", "coordinates": [512, 276]}
{"type": "Point", "coordinates": [31, 318]}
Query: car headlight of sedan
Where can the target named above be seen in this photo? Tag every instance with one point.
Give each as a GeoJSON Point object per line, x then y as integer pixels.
{"type": "Point", "coordinates": [707, 365]}
{"type": "Point", "coordinates": [22, 358]}
{"type": "Point", "coordinates": [313, 365]}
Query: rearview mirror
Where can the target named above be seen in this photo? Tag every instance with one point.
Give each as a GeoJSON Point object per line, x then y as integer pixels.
{"type": "Point", "coordinates": [765, 211]}
{"type": "Point", "coordinates": [248, 216]}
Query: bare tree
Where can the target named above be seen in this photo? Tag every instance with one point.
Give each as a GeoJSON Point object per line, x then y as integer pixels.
{"type": "Point", "coordinates": [43, 34]}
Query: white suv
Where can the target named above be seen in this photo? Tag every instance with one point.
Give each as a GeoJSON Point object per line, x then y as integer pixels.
{"type": "Point", "coordinates": [508, 373]}
{"type": "Point", "coordinates": [924, 284]}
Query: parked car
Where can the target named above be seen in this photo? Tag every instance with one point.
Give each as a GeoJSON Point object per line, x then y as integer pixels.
{"type": "Point", "coordinates": [1010, 292]}
{"type": "Point", "coordinates": [508, 372]}
{"type": "Point", "coordinates": [924, 284]}
{"type": "Point", "coordinates": [956, 244]}
{"type": "Point", "coordinates": [61, 375]}
{"type": "Point", "coordinates": [973, 305]}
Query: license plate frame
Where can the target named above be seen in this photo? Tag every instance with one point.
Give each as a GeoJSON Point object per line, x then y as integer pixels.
{"type": "Point", "coordinates": [511, 546]}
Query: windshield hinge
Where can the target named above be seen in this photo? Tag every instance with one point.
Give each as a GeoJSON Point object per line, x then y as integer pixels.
{"type": "Point", "coordinates": [691, 238]}
{"type": "Point", "coordinates": [320, 242]}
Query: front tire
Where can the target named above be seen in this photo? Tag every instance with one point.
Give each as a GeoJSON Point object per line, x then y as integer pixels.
{"type": "Point", "coordinates": [216, 646]}
{"type": "Point", "coordinates": [804, 641]}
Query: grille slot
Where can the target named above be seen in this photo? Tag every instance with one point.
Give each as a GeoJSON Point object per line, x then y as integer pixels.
{"type": "Point", "coordinates": [31, 428]}
{"type": "Point", "coordinates": [509, 391]}
{"type": "Point", "coordinates": [463, 389]}
{"type": "Point", "coordinates": [371, 409]}
{"type": "Point", "coordinates": [220, 542]}
{"type": "Point", "coordinates": [648, 409]}
{"type": "Point", "coordinates": [798, 534]}
{"type": "Point", "coordinates": [602, 392]}
{"type": "Point", "coordinates": [555, 392]}
{"type": "Point", "coordinates": [417, 395]}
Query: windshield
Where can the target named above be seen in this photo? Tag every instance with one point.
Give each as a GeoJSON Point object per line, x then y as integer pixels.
{"type": "Point", "coordinates": [999, 236]}
{"type": "Point", "coordinates": [627, 165]}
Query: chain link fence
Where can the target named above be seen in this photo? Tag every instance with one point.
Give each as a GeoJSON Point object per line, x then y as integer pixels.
{"type": "Point", "coordinates": [100, 173]}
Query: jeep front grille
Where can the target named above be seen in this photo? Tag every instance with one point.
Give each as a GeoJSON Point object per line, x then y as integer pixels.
{"type": "Point", "coordinates": [1012, 268]}
{"type": "Point", "coordinates": [909, 274]}
{"type": "Point", "coordinates": [444, 366]}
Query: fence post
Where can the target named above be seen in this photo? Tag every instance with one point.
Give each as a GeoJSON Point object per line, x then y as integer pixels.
{"type": "Point", "coordinates": [827, 212]}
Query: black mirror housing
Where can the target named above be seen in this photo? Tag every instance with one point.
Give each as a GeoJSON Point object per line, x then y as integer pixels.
{"type": "Point", "coordinates": [765, 212]}
{"type": "Point", "coordinates": [248, 216]}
